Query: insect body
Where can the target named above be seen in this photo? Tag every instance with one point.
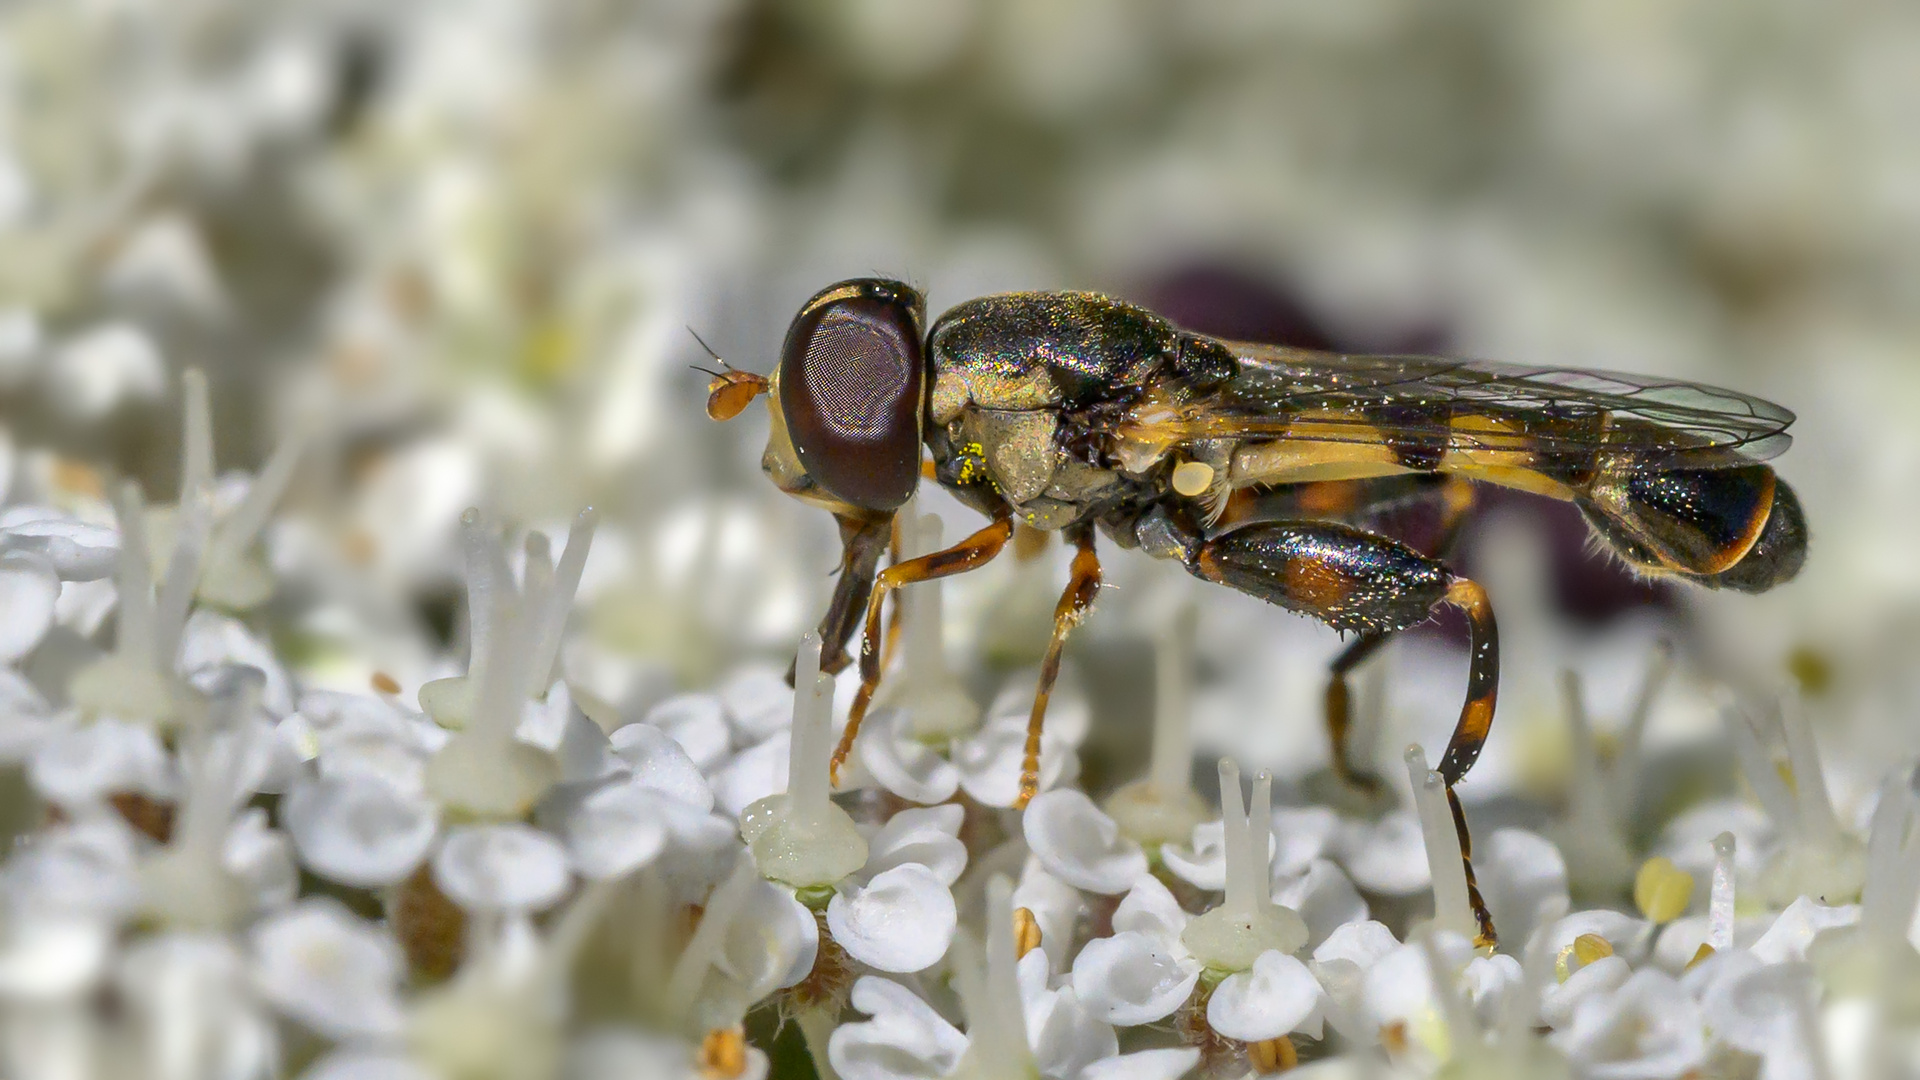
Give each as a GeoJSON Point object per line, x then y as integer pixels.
{"type": "Point", "coordinates": [1252, 466]}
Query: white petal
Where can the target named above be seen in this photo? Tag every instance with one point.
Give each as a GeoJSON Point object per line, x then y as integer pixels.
{"type": "Point", "coordinates": [616, 830]}
{"type": "Point", "coordinates": [93, 372]}
{"type": "Point", "coordinates": [1791, 933]}
{"type": "Point", "coordinates": [1203, 864]}
{"type": "Point", "coordinates": [1132, 978]}
{"type": "Point", "coordinates": [1302, 834]}
{"type": "Point", "coordinates": [1168, 1064]}
{"type": "Point", "coordinates": [1149, 907]}
{"type": "Point", "coordinates": [1519, 873]}
{"type": "Point", "coordinates": [901, 921]}
{"type": "Point", "coordinates": [359, 830]}
{"type": "Point", "coordinates": [698, 722]}
{"type": "Point", "coordinates": [329, 970]}
{"type": "Point", "coordinates": [1278, 996]}
{"type": "Point", "coordinates": [1601, 977]}
{"type": "Point", "coordinates": [361, 1064]}
{"type": "Point", "coordinates": [511, 867]}
{"type": "Point", "coordinates": [1388, 856]}
{"type": "Point", "coordinates": [87, 869]}
{"type": "Point", "coordinates": [79, 550]}
{"type": "Point", "coordinates": [1056, 906]}
{"type": "Point", "coordinates": [905, 1040]}
{"type": "Point", "coordinates": [1646, 1030]}
{"type": "Point", "coordinates": [1362, 943]}
{"type": "Point", "coordinates": [1756, 1010]}
{"type": "Point", "coordinates": [1325, 899]}
{"type": "Point", "coordinates": [752, 775]}
{"type": "Point", "coordinates": [771, 942]}
{"type": "Point", "coordinates": [28, 588]}
{"type": "Point", "coordinates": [759, 704]}
{"type": "Point", "coordinates": [77, 766]}
{"type": "Point", "coordinates": [1063, 1033]}
{"type": "Point", "coordinates": [1080, 845]}
{"type": "Point", "coordinates": [802, 929]}
{"type": "Point", "coordinates": [658, 762]}
{"type": "Point", "coordinates": [211, 641]}
{"type": "Point", "coordinates": [1622, 931]}
{"type": "Point", "coordinates": [262, 859]}
{"type": "Point", "coordinates": [53, 959]}
{"type": "Point", "coordinates": [927, 835]}
{"type": "Point", "coordinates": [991, 759]}
{"type": "Point", "coordinates": [903, 764]}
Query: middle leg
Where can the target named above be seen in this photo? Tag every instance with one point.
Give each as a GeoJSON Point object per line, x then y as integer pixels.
{"type": "Point", "coordinates": [1355, 580]}
{"type": "Point", "coordinates": [1360, 498]}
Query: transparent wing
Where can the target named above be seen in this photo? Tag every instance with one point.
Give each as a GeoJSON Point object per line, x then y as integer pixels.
{"type": "Point", "coordinates": [1469, 405]}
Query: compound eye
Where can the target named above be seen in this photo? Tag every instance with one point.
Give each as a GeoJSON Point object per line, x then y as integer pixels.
{"type": "Point", "coordinates": [852, 378]}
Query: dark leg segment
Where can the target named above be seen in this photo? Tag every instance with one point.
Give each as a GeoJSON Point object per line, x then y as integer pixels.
{"type": "Point", "coordinates": [1082, 586]}
{"type": "Point", "coordinates": [861, 544]}
{"type": "Point", "coordinates": [969, 554]}
{"type": "Point", "coordinates": [1456, 497]}
{"type": "Point", "coordinates": [1355, 580]}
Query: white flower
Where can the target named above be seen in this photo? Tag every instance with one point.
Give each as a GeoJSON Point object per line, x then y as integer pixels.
{"type": "Point", "coordinates": [1080, 845]}
{"type": "Point", "coordinates": [698, 722]}
{"type": "Point", "coordinates": [1143, 972]}
{"type": "Point", "coordinates": [900, 921]}
{"type": "Point", "coordinates": [508, 868]}
{"type": "Point", "coordinates": [1341, 963]}
{"type": "Point", "coordinates": [1387, 856]}
{"type": "Point", "coordinates": [1325, 899]}
{"type": "Point", "coordinates": [359, 830]}
{"type": "Point", "coordinates": [1521, 874]}
{"type": "Point", "coordinates": [80, 766]}
{"type": "Point", "coordinates": [1278, 995]}
{"type": "Point", "coordinates": [29, 586]}
{"type": "Point", "coordinates": [1790, 935]}
{"type": "Point", "coordinates": [902, 1038]}
{"type": "Point", "coordinates": [79, 550]}
{"type": "Point", "coordinates": [94, 372]}
{"type": "Point", "coordinates": [192, 1008]}
{"type": "Point", "coordinates": [1056, 907]}
{"type": "Point", "coordinates": [626, 1054]}
{"type": "Point", "coordinates": [330, 971]}
{"type": "Point", "coordinates": [359, 1064]}
{"type": "Point", "coordinates": [991, 759]}
{"type": "Point", "coordinates": [896, 912]}
{"type": "Point", "coordinates": [1017, 1024]}
{"type": "Point", "coordinates": [1648, 1028]}
{"type": "Point", "coordinates": [657, 761]}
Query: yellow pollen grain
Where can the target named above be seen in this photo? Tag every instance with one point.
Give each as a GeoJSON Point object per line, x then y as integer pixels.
{"type": "Point", "coordinates": [1662, 890]}
{"type": "Point", "coordinates": [1026, 932]}
{"type": "Point", "coordinates": [1272, 1055]}
{"type": "Point", "coordinates": [723, 1054]}
{"type": "Point", "coordinates": [385, 683]}
{"type": "Point", "coordinates": [1192, 478]}
{"type": "Point", "coordinates": [1590, 947]}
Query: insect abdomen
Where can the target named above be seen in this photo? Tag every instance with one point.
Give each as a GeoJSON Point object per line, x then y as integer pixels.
{"type": "Point", "coordinates": [1738, 527]}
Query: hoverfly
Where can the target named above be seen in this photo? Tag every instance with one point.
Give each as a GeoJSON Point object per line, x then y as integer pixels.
{"type": "Point", "coordinates": [1250, 465]}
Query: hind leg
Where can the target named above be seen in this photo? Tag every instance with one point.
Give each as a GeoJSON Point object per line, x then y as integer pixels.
{"type": "Point", "coordinates": [1355, 580]}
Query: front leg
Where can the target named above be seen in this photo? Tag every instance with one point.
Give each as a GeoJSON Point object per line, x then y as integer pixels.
{"type": "Point", "coordinates": [969, 554]}
{"type": "Point", "coordinates": [1082, 586]}
{"type": "Point", "coordinates": [862, 541]}
{"type": "Point", "coordinates": [1355, 580]}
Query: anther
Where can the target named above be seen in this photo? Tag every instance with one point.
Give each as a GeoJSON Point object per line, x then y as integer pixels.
{"type": "Point", "coordinates": [1272, 1055]}
{"type": "Point", "coordinates": [1026, 932]}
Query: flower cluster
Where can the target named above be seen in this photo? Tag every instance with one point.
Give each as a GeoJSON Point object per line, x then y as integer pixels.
{"type": "Point", "coordinates": [392, 659]}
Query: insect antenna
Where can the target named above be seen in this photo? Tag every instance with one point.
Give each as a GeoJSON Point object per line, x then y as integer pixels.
{"type": "Point", "coordinates": [731, 389]}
